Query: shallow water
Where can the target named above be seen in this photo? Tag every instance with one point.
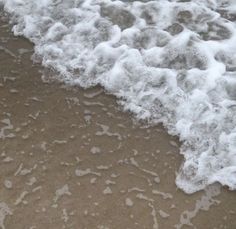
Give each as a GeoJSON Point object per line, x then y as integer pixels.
{"type": "Point", "coordinates": [168, 61]}
{"type": "Point", "coordinates": [69, 158]}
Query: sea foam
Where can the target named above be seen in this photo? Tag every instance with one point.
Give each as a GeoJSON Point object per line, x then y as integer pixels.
{"type": "Point", "coordinates": [170, 62]}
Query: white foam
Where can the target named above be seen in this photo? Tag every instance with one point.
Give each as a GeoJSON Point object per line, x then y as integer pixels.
{"type": "Point", "coordinates": [8, 184]}
{"type": "Point", "coordinates": [129, 202]}
{"type": "Point", "coordinates": [4, 211]}
{"type": "Point", "coordinates": [61, 192]}
{"type": "Point", "coordinates": [170, 62]}
{"type": "Point", "coordinates": [107, 191]}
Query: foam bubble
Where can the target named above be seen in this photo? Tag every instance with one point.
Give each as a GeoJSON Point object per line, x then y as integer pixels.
{"type": "Point", "coordinates": [170, 62]}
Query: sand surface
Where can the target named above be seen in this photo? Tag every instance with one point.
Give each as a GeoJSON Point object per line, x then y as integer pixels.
{"type": "Point", "coordinates": [70, 158]}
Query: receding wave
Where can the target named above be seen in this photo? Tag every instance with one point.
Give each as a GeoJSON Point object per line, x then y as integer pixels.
{"type": "Point", "coordinates": [170, 62]}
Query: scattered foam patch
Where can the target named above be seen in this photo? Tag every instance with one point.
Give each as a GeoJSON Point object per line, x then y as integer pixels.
{"type": "Point", "coordinates": [170, 62]}
{"type": "Point", "coordinates": [4, 211]}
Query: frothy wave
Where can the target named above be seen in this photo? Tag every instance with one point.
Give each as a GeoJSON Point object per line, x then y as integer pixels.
{"type": "Point", "coordinates": [170, 62]}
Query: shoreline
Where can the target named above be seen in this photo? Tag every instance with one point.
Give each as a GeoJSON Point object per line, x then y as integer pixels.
{"type": "Point", "coordinates": [71, 159]}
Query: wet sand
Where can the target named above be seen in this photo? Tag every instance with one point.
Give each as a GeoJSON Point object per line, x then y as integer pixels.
{"type": "Point", "coordinates": [70, 158]}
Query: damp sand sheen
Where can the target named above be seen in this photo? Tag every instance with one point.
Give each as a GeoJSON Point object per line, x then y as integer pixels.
{"type": "Point", "coordinates": [71, 158]}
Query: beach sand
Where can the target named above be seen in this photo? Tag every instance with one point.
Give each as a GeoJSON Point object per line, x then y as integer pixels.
{"type": "Point", "coordinates": [70, 158]}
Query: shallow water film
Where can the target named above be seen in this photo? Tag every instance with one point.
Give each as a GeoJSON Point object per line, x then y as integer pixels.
{"type": "Point", "coordinates": [71, 159]}
{"type": "Point", "coordinates": [171, 62]}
